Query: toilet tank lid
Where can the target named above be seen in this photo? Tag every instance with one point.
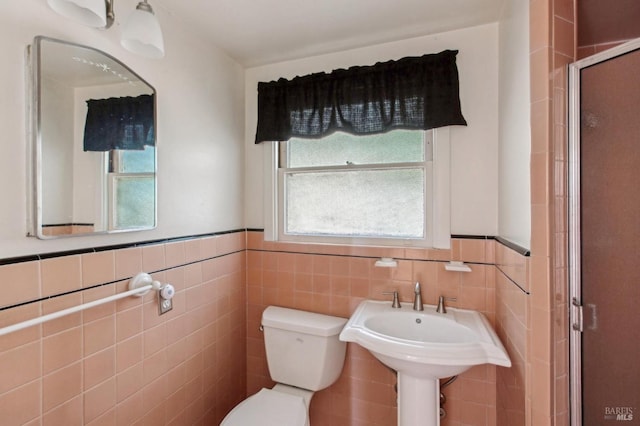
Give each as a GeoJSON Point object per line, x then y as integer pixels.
{"type": "Point", "coordinates": [302, 321]}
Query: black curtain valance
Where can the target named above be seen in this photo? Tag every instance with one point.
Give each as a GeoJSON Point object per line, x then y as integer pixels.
{"type": "Point", "coordinates": [119, 123]}
{"type": "Point", "coordinates": [410, 93]}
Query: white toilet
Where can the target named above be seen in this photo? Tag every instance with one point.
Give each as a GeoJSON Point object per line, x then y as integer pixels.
{"type": "Point", "coordinates": [304, 355]}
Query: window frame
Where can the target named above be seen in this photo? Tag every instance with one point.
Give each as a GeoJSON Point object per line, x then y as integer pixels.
{"type": "Point", "coordinates": [437, 200]}
{"type": "Point", "coordinates": [113, 161]}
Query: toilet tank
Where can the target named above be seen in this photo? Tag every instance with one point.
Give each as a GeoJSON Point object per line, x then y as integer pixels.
{"type": "Point", "coordinates": [303, 348]}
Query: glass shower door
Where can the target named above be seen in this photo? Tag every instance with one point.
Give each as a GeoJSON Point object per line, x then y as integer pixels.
{"type": "Point", "coordinates": [605, 238]}
{"type": "Point", "coordinates": [606, 220]}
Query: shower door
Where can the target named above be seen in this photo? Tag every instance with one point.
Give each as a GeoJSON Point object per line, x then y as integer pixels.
{"type": "Point", "coordinates": [604, 253]}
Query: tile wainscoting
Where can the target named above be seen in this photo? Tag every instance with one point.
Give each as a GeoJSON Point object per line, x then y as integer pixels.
{"type": "Point", "coordinates": [121, 363]}
{"type": "Point", "coordinates": [334, 279]}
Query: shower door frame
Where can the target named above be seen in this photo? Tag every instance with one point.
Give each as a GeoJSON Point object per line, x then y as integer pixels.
{"type": "Point", "coordinates": [574, 237]}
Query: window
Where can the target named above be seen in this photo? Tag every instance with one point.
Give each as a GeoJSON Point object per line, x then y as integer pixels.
{"type": "Point", "coordinates": [352, 197]}
{"type": "Point", "coordinates": [384, 189]}
{"type": "Point", "coordinates": [131, 180]}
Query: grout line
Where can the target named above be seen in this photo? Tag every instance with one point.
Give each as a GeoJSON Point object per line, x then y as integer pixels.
{"type": "Point", "coordinates": [45, 298]}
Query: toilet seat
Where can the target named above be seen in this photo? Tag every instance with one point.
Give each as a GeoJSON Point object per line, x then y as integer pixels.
{"type": "Point", "coordinates": [268, 408]}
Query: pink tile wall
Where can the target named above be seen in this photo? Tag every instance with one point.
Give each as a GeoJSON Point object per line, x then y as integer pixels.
{"type": "Point", "coordinates": [552, 47]}
{"type": "Point", "coordinates": [512, 326]}
{"type": "Point", "coordinates": [555, 345]}
{"type": "Point", "coordinates": [333, 280]}
{"type": "Point", "coordinates": [120, 363]}
{"type": "Point", "coordinates": [117, 363]}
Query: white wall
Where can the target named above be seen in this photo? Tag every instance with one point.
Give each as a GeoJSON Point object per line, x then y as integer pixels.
{"type": "Point", "coordinates": [200, 127]}
{"type": "Point", "coordinates": [515, 125]}
{"type": "Point", "coordinates": [474, 149]}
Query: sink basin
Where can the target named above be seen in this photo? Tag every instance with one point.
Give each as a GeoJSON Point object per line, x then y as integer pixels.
{"type": "Point", "coordinates": [423, 346]}
{"type": "Point", "coordinates": [419, 327]}
{"type": "Point", "coordinates": [425, 343]}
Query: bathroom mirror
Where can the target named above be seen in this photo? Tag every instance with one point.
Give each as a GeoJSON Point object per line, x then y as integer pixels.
{"type": "Point", "coordinates": [93, 151]}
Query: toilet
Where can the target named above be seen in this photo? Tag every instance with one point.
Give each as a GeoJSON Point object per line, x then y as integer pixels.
{"type": "Point", "coordinates": [304, 355]}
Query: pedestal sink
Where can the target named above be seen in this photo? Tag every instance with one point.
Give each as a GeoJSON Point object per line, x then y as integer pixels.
{"type": "Point", "coordinates": [423, 347]}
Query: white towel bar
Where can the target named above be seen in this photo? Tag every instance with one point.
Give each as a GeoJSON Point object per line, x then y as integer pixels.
{"type": "Point", "coordinates": [137, 291]}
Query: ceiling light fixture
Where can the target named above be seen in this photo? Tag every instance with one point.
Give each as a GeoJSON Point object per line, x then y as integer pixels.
{"type": "Point", "coordinates": [93, 13]}
{"type": "Point", "coordinates": [141, 31]}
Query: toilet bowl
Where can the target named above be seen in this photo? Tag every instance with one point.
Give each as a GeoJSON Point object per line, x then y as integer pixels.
{"type": "Point", "coordinates": [304, 355]}
{"type": "Point", "coordinates": [270, 407]}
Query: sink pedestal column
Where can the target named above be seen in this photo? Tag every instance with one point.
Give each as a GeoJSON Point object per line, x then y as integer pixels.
{"type": "Point", "coordinates": [418, 401]}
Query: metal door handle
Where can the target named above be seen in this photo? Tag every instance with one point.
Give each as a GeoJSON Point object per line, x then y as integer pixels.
{"type": "Point", "coordinates": [577, 316]}
{"type": "Point", "coordinates": [594, 316]}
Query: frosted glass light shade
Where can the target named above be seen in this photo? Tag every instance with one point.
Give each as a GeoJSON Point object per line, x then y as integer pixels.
{"type": "Point", "coordinates": [141, 34]}
{"type": "Point", "coordinates": [88, 12]}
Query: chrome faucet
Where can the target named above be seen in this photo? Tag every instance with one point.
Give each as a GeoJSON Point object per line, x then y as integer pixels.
{"type": "Point", "coordinates": [417, 298]}
{"type": "Point", "coordinates": [442, 309]}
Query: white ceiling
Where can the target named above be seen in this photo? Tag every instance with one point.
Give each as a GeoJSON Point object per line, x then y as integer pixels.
{"type": "Point", "coordinates": [258, 32]}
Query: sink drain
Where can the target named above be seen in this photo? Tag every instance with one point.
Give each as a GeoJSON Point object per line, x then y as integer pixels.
{"type": "Point", "coordinates": [443, 398]}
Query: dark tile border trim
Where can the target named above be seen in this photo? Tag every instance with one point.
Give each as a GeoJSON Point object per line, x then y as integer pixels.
{"type": "Point", "coordinates": [67, 224]}
{"type": "Point", "coordinates": [468, 237]}
{"type": "Point", "coordinates": [456, 236]}
{"type": "Point", "coordinates": [473, 237]}
{"type": "Point", "coordinates": [78, 290]}
{"type": "Point", "coordinates": [35, 257]}
{"type": "Point", "coordinates": [513, 246]}
{"type": "Point", "coordinates": [528, 293]}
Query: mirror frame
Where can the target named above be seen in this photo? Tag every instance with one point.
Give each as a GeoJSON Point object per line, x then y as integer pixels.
{"type": "Point", "coordinates": [34, 143]}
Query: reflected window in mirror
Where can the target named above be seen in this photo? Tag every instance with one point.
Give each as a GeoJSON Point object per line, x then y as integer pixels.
{"type": "Point", "coordinates": [94, 147]}
{"type": "Point", "coordinates": [131, 187]}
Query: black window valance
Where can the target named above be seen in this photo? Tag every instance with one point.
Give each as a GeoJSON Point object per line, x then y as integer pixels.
{"type": "Point", "coordinates": [410, 93]}
{"type": "Point", "coordinates": [119, 123]}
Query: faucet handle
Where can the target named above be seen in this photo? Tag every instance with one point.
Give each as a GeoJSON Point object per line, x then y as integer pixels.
{"type": "Point", "coordinates": [442, 309]}
{"type": "Point", "coordinates": [396, 302]}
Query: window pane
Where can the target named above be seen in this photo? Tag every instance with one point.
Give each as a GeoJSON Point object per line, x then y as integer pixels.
{"type": "Point", "coordinates": [372, 203]}
{"type": "Point", "coordinates": [338, 149]}
{"type": "Point", "coordinates": [135, 201]}
{"type": "Point", "coordinates": [134, 161]}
